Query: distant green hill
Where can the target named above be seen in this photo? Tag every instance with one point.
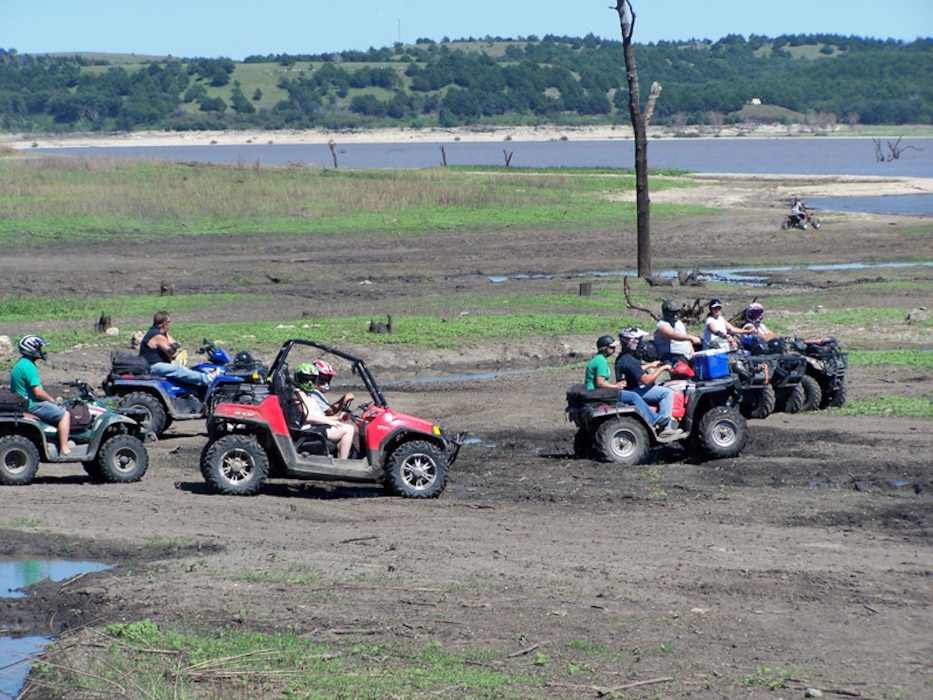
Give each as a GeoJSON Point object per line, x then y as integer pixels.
{"type": "Point", "coordinates": [823, 79]}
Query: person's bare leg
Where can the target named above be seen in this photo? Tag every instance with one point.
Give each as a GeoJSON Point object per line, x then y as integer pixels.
{"type": "Point", "coordinates": [64, 426]}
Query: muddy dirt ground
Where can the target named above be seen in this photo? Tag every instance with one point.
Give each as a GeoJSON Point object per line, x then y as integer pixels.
{"type": "Point", "coordinates": [810, 556]}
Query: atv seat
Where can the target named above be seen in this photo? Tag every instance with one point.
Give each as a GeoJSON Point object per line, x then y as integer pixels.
{"type": "Point", "coordinates": [578, 395]}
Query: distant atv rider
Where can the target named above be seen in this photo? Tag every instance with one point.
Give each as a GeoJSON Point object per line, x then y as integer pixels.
{"type": "Point", "coordinates": [161, 351]}
{"type": "Point", "coordinates": [798, 213]}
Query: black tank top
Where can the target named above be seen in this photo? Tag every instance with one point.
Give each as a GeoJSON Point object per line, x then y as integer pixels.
{"type": "Point", "coordinates": [152, 355]}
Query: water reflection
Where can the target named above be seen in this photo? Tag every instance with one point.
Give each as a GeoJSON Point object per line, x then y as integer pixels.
{"type": "Point", "coordinates": [745, 276]}
{"type": "Point", "coordinates": [19, 574]}
{"type": "Point", "coordinates": [17, 653]}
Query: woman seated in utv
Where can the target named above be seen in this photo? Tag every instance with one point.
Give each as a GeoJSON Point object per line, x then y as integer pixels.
{"type": "Point", "coordinates": [319, 413]}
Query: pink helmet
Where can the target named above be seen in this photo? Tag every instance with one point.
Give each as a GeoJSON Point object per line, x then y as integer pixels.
{"type": "Point", "coordinates": [755, 313]}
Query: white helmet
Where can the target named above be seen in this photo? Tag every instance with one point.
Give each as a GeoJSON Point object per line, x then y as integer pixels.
{"type": "Point", "coordinates": [32, 346]}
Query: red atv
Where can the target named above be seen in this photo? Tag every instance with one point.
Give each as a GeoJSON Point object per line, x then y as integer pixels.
{"type": "Point", "coordinates": [257, 435]}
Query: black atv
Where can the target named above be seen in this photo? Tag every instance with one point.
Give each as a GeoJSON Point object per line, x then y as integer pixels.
{"type": "Point", "coordinates": [108, 442]}
{"type": "Point", "coordinates": [617, 432]}
{"type": "Point", "coordinates": [775, 381]}
{"type": "Point", "coordinates": [826, 367]}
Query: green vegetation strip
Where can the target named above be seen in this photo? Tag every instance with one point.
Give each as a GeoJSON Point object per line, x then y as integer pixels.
{"type": "Point", "coordinates": [240, 663]}
{"type": "Point", "coordinates": [43, 200]}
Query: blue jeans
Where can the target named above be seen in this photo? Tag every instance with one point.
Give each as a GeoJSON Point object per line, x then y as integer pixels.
{"type": "Point", "coordinates": [630, 397]}
{"type": "Point", "coordinates": [179, 374]}
{"type": "Point", "coordinates": [659, 395]}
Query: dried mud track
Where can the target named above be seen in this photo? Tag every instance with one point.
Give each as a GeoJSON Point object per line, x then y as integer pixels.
{"type": "Point", "coordinates": [811, 551]}
{"type": "Point", "coordinates": [808, 555]}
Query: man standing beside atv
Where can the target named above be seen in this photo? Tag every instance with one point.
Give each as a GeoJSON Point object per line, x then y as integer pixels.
{"type": "Point", "coordinates": [160, 350]}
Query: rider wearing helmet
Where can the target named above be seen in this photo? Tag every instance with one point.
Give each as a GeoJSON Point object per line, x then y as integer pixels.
{"type": "Point", "coordinates": [754, 323]}
{"type": "Point", "coordinates": [597, 377]}
{"type": "Point", "coordinates": [642, 377]}
{"type": "Point", "coordinates": [798, 214]}
{"type": "Point", "coordinates": [336, 425]}
{"type": "Point", "coordinates": [24, 380]}
{"type": "Point", "coordinates": [671, 337]}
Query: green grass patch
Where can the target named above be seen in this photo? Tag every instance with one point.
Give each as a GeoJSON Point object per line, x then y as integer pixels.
{"type": "Point", "coordinates": [143, 660]}
{"type": "Point", "coordinates": [43, 200]}
{"type": "Point", "coordinates": [889, 406]}
{"type": "Point", "coordinates": [884, 358]}
{"type": "Point", "coordinates": [15, 309]}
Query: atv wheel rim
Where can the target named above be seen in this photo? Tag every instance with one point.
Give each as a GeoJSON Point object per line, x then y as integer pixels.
{"type": "Point", "coordinates": [125, 460]}
{"type": "Point", "coordinates": [724, 433]}
{"type": "Point", "coordinates": [623, 443]}
{"type": "Point", "coordinates": [15, 461]}
{"type": "Point", "coordinates": [236, 466]}
{"type": "Point", "coordinates": [419, 472]}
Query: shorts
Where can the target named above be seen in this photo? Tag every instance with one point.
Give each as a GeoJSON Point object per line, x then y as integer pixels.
{"type": "Point", "coordinates": [47, 412]}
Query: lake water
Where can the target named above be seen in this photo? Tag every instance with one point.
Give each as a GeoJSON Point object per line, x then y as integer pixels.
{"type": "Point", "coordinates": [790, 156]}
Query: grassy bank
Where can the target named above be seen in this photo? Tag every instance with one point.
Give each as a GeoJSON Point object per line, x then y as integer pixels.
{"type": "Point", "coordinates": [43, 199]}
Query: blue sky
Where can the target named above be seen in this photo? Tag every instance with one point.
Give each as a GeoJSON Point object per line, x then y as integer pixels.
{"type": "Point", "coordinates": [238, 28]}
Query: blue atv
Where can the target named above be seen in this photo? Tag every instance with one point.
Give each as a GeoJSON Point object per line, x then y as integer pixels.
{"type": "Point", "coordinates": [160, 401]}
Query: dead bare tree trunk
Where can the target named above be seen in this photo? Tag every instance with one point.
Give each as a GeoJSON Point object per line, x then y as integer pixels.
{"type": "Point", "coordinates": [333, 151]}
{"type": "Point", "coordinates": [640, 125]}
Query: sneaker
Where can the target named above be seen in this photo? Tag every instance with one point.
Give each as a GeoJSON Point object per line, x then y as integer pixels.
{"type": "Point", "coordinates": [670, 432]}
{"type": "Point", "coordinates": [661, 423]}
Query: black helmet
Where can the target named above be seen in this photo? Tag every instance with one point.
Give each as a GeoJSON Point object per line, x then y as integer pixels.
{"type": "Point", "coordinates": [32, 346]}
{"type": "Point", "coordinates": [671, 307]}
{"type": "Point", "coordinates": [605, 341]}
{"type": "Point", "coordinates": [714, 303]}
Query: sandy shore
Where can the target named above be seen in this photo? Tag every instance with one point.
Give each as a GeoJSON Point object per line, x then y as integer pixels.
{"type": "Point", "coordinates": [394, 135]}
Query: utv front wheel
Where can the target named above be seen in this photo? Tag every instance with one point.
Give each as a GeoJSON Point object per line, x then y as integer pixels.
{"type": "Point", "coordinates": [723, 432]}
{"type": "Point", "coordinates": [19, 460]}
{"type": "Point", "coordinates": [417, 469]}
{"type": "Point", "coordinates": [622, 440]}
{"type": "Point", "coordinates": [123, 459]}
{"type": "Point", "coordinates": [236, 465]}
{"type": "Point", "coordinates": [148, 411]}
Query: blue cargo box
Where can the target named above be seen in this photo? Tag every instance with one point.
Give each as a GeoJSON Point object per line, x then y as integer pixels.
{"type": "Point", "coordinates": [711, 364]}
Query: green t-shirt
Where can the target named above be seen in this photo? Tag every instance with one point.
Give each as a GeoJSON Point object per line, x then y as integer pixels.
{"type": "Point", "coordinates": [23, 378]}
{"type": "Point", "coordinates": [597, 367]}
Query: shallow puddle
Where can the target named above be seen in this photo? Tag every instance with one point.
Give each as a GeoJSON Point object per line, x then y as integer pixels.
{"type": "Point", "coordinates": [16, 653]}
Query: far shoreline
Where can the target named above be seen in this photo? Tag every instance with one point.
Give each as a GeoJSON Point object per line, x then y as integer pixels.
{"type": "Point", "coordinates": [476, 134]}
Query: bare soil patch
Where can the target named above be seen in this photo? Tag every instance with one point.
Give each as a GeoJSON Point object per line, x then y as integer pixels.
{"type": "Point", "coordinates": [810, 553]}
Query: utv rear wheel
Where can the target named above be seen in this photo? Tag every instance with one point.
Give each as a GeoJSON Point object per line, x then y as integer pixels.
{"type": "Point", "coordinates": [622, 440]}
{"type": "Point", "coordinates": [236, 465]}
{"type": "Point", "coordinates": [123, 459]}
{"type": "Point", "coordinates": [150, 412]}
{"type": "Point", "coordinates": [417, 469]}
{"type": "Point", "coordinates": [19, 460]}
{"type": "Point", "coordinates": [764, 407]}
{"type": "Point", "coordinates": [723, 432]}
